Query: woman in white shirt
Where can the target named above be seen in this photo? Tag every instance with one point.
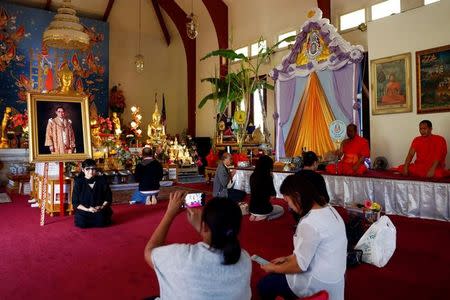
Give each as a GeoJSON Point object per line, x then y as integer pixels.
{"type": "Point", "coordinates": [318, 261]}
{"type": "Point", "coordinates": [216, 268]}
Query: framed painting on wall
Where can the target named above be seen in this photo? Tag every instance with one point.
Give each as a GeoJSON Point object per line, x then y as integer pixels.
{"type": "Point", "coordinates": [433, 80]}
{"type": "Point", "coordinates": [391, 84]}
{"type": "Point", "coordinates": [59, 127]}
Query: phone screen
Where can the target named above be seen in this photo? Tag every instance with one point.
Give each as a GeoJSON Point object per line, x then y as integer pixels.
{"type": "Point", "coordinates": [259, 260]}
{"type": "Point", "coordinates": [194, 200]}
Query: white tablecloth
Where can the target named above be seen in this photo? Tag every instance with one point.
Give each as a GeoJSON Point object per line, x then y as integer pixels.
{"type": "Point", "coordinates": [400, 197]}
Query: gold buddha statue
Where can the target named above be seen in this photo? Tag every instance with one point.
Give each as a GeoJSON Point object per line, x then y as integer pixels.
{"type": "Point", "coordinates": [65, 76]}
{"type": "Point", "coordinates": [155, 130]}
{"type": "Point", "coordinates": [116, 124]}
{"type": "Point", "coordinates": [6, 118]}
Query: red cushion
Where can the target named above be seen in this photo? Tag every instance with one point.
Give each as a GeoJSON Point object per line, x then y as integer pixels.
{"type": "Point", "coordinates": [322, 295]}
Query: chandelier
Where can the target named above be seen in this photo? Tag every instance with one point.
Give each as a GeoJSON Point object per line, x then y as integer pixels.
{"type": "Point", "coordinates": [66, 31]}
{"type": "Point", "coordinates": [192, 23]}
{"type": "Point", "coordinates": [139, 58]}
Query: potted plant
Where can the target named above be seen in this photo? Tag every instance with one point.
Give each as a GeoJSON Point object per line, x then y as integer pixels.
{"type": "Point", "coordinates": [238, 85]}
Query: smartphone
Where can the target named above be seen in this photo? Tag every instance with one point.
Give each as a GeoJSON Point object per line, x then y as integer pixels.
{"type": "Point", "coordinates": [259, 260]}
{"type": "Point", "coordinates": [194, 200]}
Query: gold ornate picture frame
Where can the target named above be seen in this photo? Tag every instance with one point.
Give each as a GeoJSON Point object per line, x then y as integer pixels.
{"type": "Point", "coordinates": [59, 128]}
{"type": "Point", "coordinates": [432, 80]}
{"type": "Point", "coordinates": [391, 84]}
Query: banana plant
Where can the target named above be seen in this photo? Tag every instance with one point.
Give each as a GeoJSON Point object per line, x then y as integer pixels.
{"type": "Point", "coordinates": [240, 84]}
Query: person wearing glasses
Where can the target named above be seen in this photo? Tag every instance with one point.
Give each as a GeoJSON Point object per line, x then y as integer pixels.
{"type": "Point", "coordinates": [91, 198]}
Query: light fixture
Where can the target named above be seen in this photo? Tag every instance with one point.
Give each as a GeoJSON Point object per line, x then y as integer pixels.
{"type": "Point", "coordinates": [192, 23]}
{"type": "Point", "coordinates": [139, 58]}
{"type": "Point", "coordinates": [66, 31]}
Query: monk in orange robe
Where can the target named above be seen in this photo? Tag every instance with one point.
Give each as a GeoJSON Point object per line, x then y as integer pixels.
{"type": "Point", "coordinates": [355, 150]}
{"type": "Point", "coordinates": [392, 93]}
{"type": "Point", "coordinates": [430, 151]}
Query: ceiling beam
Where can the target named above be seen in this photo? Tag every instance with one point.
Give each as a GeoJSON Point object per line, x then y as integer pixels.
{"type": "Point", "coordinates": [325, 7]}
{"type": "Point", "coordinates": [161, 21]}
{"type": "Point", "coordinates": [47, 5]}
{"type": "Point", "coordinates": [108, 10]}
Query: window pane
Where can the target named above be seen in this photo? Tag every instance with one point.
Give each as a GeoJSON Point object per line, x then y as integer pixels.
{"type": "Point", "coordinates": [426, 2]}
{"type": "Point", "coordinates": [257, 109]}
{"type": "Point", "coordinates": [256, 47]}
{"type": "Point", "coordinates": [243, 50]}
{"type": "Point", "coordinates": [385, 9]}
{"type": "Point", "coordinates": [352, 19]}
{"type": "Point", "coordinates": [285, 35]}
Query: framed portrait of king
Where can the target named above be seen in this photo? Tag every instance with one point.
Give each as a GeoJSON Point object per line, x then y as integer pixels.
{"type": "Point", "coordinates": [59, 127]}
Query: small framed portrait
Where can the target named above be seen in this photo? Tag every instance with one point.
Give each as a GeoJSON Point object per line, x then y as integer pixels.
{"type": "Point", "coordinates": [433, 80]}
{"type": "Point", "coordinates": [59, 128]}
{"type": "Point", "coordinates": [391, 84]}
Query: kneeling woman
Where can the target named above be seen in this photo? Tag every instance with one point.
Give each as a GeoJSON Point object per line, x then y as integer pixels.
{"type": "Point", "coordinates": [318, 261]}
{"type": "Point", "coordinates": [91, 198]}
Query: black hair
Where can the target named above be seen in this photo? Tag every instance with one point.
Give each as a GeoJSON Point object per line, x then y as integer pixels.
{"type": "Point", "coordinates": [147, 152]}
{"type": "Point", "coordinates": [352, 125]}
{"type": "Point", "coordinates": [223, 218]}
{"type": "Point", "coordinates": [428, 122]}
{"type": "Point", "coordinates": [88, 163]}
{"type": "Point", "coordinates": [300, 189]}
{"type": "Point", "coordinates": [264, 166]}
{"type": "Point", "coordinates": [309, 158]}
{"type": "Point", "coordinates": [60, 106]}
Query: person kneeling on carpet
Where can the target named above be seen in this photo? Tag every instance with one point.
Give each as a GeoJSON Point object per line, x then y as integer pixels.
{"type": "Point", "coordinates": [149, 173]}
{"type": "Point", "coordinates": [223, 180]}
{"type": "Point", "coordinates": [318, 261]}
{"type": "Point", "coordinates": [261, 190]}
{"type": "Point", "coordinates": [215, 268]}
{"type": "Point", "coordinates": [91, 198]}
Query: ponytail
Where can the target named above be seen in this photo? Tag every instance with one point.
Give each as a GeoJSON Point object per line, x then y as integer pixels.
{"type": "Point", "coordinates": [223, 218]}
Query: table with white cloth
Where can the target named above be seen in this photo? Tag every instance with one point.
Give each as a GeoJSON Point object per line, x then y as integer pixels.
{"type": "Point", "coordinates": [423, 199]}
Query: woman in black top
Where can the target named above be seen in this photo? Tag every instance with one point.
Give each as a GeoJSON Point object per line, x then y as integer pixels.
{"type": "Point", "coordinates": [310, 163]}
{"type": "Point", "coordinates": [91, 198]}
{"type": "Point", "coordinates": [261, 190]}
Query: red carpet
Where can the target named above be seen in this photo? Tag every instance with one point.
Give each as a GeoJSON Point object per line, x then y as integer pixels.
{"type": "Point", "coordinates": [59, 261]}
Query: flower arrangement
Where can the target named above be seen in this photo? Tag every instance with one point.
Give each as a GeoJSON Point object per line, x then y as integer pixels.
{"type": "Point", "coordinates": [19, 121]}
{"type": "Point", "coordinates": [371, 211]}
{"type": "Point", "coordinates": [105, 125]}
{"type": "Point", "coordinates": [136, 121]}
{"type": "Point", "coordinates": [117, 100]}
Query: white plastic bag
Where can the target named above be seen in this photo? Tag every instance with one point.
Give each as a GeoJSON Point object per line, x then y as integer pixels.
{"type": "Point", "coordinates": [378, 242]}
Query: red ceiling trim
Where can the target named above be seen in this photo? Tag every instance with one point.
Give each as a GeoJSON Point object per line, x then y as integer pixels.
{"type": "Point", "coordinates": [178, 16]}
{"type": "Point", "coordinates": [325, 7]}
{"type": "Point", "coordinates": [108, 10]}
{"type": "Point", "coordinates": [47, 5]}
{"type": "Point", "coordinates": [218, 11]}
{"type": "Point", "coordinates": [161, 21]}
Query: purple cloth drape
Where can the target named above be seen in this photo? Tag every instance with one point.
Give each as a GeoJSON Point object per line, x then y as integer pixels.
{"type": "Point", "coordinates": [342, 80]}
{"type": "Point", "coordinates": [286, 90]}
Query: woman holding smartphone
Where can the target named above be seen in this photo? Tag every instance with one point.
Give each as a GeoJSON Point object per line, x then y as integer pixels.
{"type": "Point", "coordinates": [318, 261]}
{"type": "Point", "coordinates": [215, 268]}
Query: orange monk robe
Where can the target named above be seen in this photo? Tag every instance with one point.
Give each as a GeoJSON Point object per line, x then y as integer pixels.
{"type": "Point", "coordinates": [428, 150]}
{"type": "Point", "coordinates": [353, 150]}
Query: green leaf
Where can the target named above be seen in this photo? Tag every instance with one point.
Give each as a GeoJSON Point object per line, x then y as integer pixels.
{"type": "Point", "coordinates": [202, 103]}
{"type": "Point", "coordinates": [227, 53]}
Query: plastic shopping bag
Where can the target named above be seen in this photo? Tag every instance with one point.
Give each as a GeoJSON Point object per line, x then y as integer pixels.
{"type": "Point", "coordinates": [378, 242]}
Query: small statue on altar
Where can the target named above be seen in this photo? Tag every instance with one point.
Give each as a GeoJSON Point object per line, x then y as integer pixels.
{"type": "Point", "coordinates": [187, 158]}
{"type": "Point", "coordinates": [5, 122]}
{"type": "Point", "coordinates": [95, 137]}
{"type": "Point", "coordinates": [156, 131]}
{"type": "Point", "coordinates": [116, 124]}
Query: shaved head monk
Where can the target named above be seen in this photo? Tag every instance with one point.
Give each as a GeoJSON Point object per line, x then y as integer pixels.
{"type": "Point", "coordinates": [430, 151]}
{"type": "Point", "coordinates": [355, 150]}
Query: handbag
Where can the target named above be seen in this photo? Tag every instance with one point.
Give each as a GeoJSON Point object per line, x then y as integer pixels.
{"type": "Point", "coordinates": [354, 257]}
